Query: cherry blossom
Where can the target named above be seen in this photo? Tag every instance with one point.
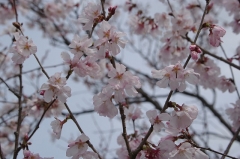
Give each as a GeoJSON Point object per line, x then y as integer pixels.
{"type": "Point", "coordinates": [28, 155]}
{"type": "Point", "coordinates": [88, 66]}
{"type": "Point", "coordinates": [161, 151]}
{"type": "Point", "coordinates": [77, 147]}
{"type": "Point", "coordinates": [175, 76]}
{"type": "Point", "coordinates": [122, 81]}
{"type": "Point", "coordinates": [195, 51]}
{"type": "Point", "coordinates": [234, 115]}
{"type": "Point", "coordinates": [162, 20]}
{"type": "Point", "coordinates": [235, 23]}
{"type": "Point", "coordinates": [225, 84]}
{"type": "Point", "coordinates": [91, 15]}
{"type": "Point", "coordinates": [109, 40]}
{"type": "Point", "coordinates": [80, 46]}
{"type": "Point", "coordinates": [54, 10]}
{"type": "Point", "coordinates": [36, 106]}
{"type": "Point", "coordinates": [133, 143]}
{"type": "Point", "coordinates": [56, 88]}
{"type": "Point", "coordinates": [71, 62]}
{"type": "Point", "coordinates": [22, 48]}
{"type": "Point", "coordinates": [57, 127]}
{"type": "Point", "coordinates": [185, 150]}
{"type": "Point", "coordinates": [183, 118]}
{"type": "Point", "coordinates": [216, 32]}
{"type": "Point", "coordinates": [132, 113]}
{"type": "Point", "coordinates": [103, 104]}
{"type": "Point", "coordinates": [208, 70]}
{"type": "Point", "coordinates": [156, 119]}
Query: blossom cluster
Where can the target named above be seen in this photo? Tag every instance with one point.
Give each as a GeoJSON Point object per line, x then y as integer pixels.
{"type": "Point", "coordinates": [22, 48]}
{"type": "Point", "coordinates": [55, 88]}
{"type": "Point", "coordinates": [78, 148]}
{"type": "Point", "coordinates": [94, 56]}
{"type": "Point", "coordinates": [234, 115]}
{"type": "Point", "coordinates": [120, 84]}
{"type": "Point", "coordinates": [176, 77]}
{"type": "Point", "coordinates": [176, 125]}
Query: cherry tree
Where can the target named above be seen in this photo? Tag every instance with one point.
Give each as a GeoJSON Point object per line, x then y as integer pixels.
{"type": "Point", "coordinates": [165, 72]}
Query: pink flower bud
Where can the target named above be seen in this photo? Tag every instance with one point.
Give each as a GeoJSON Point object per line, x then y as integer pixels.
{"type": "Point", "coordinates": [42, 92]}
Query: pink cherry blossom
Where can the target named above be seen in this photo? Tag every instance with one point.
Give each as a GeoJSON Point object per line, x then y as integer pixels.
{"type": "Point", "coordinates": [183, 118]}
{"type": "Point", "coordinates": [162, 20]}
{"type": "Point", "coordinates": [156, 119]}
{"type": "Point", "coordinates": [103, 104]}
{"type": "Point", "coordinates": [133, 112]}
{"type": "Point", "coordinates": [57, 127]}
{"type": "Point", "coordinates": [81, 46]}
{"type": "Point", "coordinates": [54, 10]}
{"type": "Point", "coordinates": [122, 81]}
{"type": "Point", "coordinates": [159, 152]}
{"type": "Point", "coordinates": [208, 70]}
{"type": "Point", "coordinates": [186, 151]}
{"type": "Point", "coordinates": [55, 88]}
{"type": "Point", "coordinates": [22, 48]}
{"type": "Point", "coordinates": [91, 15]}
{"type": "Point", "coordinates": [28, 155]}
{"type": "Point", "coordinates": [71, 62]}
{"type": "Point", "coordinates": [36, 106]}
{"type": "Point", "coordinates": [77, 147]}
{"type": "Point", "coordinates": [235, 23]}
{"type": "Point", "coordinates": [234, 115]}
{"type": "Point", "coordinates": [216, 32]}
{"type": "Point", "coordinates": [225, 84]}
{"type": "Point", "coordinates": [109, 40]}
{"type": "Point", "coordinates": [195, 50]}
{"type": "Point", "coordinates": [175, 76]}
{"type": "Point", "coordinates": [88, 66]}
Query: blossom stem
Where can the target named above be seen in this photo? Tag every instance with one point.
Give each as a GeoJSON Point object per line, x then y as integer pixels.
{"type": "Point", "coordinates": [9, 88]}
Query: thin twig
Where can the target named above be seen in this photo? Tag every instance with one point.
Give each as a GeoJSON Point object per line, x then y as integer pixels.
{"type": "Point", "coordinates": [230, 143]}
{"type": "Point", "coordinates": [10, 89]}
{"type": "Point", "coordinates": [15, 9]}
{"type": "Point", "coordinates": [43, 70]}
{"type": "Point", "coordinates": [230, 70]}
{"type": "Point", "coordinates": [209, 149]}
{"type": "Point", "coordinates": [170, 6]}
